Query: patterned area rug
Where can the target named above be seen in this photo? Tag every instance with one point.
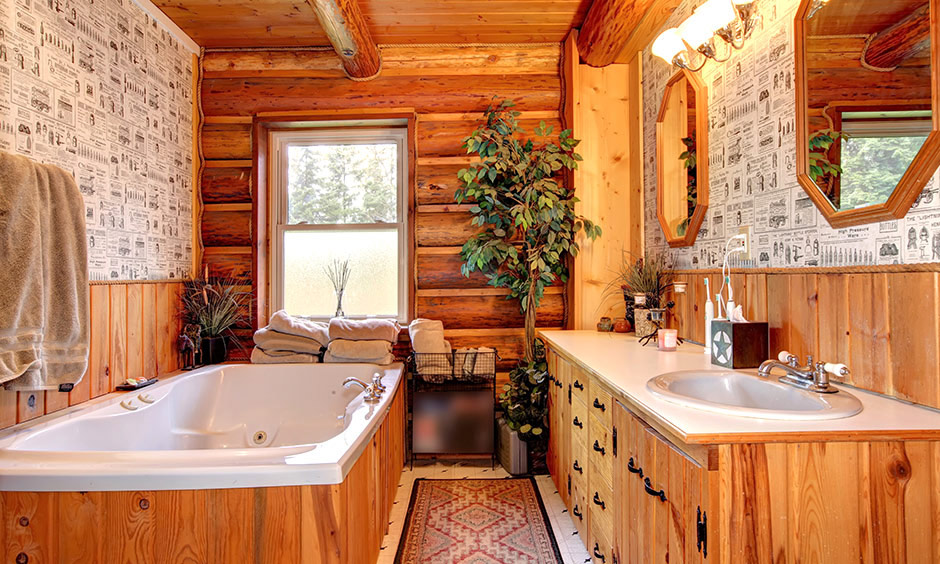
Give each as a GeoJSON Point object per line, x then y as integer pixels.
{"type": "Point", "coordinates": [478, 522]}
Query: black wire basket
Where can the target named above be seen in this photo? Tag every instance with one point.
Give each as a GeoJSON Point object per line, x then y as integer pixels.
{"type": "Point", "coordinates": [456, 366]}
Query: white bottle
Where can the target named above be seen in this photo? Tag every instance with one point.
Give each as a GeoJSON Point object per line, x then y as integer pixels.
{"type": "Point", "coordinates": [709, 316]}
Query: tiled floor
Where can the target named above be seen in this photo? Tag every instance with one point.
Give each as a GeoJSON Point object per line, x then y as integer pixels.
{"type": "Point", "coordinates": [569, 543]}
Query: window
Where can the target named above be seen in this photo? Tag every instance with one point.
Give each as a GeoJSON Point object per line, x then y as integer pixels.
{"type": "Point", "coordinates": [339, 194]}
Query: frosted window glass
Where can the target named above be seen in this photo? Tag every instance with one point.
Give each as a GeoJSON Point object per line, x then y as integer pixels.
{"type": "Point", "coordinates": [373, 280]}
{"type": "Point", "coordinates": [342, 184]}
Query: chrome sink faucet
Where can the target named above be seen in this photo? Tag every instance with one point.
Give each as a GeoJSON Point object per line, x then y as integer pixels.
{"type": "Point", "coordinates": [373, 392]}
{"type": "Point", "coordinates": [813, 377]}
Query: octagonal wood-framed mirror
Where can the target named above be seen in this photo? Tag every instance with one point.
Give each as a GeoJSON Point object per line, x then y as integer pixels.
{"type": "Point", "coordinates": [682, 159]}
{"type": "Point", "coordinates": [867, 129]}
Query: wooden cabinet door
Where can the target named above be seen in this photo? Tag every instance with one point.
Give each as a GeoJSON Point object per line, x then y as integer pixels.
{"type": "Point", "coordinates": [554, 429]}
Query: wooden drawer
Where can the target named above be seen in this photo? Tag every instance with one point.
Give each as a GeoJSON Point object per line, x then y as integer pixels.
{"type": "Point", "coordinates": [579, 412]}
{"type": "Point", "coordinates": [600, 451]}
{"type": "Point", "coordinates": [579, 384]}
{"type": "Point", "coordinates": [579, 511]}
{"type": "Point", "coordinates": [599, 546]}
{"type": "Point", "coordinates": [599, 498]}
{"type": "Point", "coordinates": [600, 404]}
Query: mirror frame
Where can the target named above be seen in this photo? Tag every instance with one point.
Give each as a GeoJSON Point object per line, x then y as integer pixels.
{"type": "Point", "coordinates": [701, 149]}
{"type": "Point", "coordinates": [918, 173]}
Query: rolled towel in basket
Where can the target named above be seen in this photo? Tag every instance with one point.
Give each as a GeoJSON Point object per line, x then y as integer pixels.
{"type": "Point", "coordinates": [479, 362]}
{"type": "Point", "coordinates": [372, 351]}
{"type": "Point", "coordinates": [271, 340]}
{"type": "Point", "coordinates": [261, 356]}
{"type": "Point", "coordinates": [364, 330]}
{"type": "Point", "coordinates": [282, 322]}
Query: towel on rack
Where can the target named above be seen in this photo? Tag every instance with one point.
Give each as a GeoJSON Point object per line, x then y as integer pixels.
{"type": "Point", "coordinates": [270, 340]}
{"type": "Point", "coordinates": [261, 356]}
{"type": "Point", "coordinates": [364, 329]}
{"type": "Point", "coordinates": [44, 277]}
{"type": "Point", "coordinates": [372, 352]}
{"type": "Point", "coordinates": [282, 322]}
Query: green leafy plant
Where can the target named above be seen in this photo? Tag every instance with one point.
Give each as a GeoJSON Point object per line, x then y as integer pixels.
{"type": "Point", "coordinates": [529, 229]}
{"type": "Point", "coordinates": [216, 307]}
{"type": "Point", "coordinates": [820, 167]}
{"type": "Point", "coordinates": [689, 160]}
{"type": "Point", "coordinates": [650, 275]}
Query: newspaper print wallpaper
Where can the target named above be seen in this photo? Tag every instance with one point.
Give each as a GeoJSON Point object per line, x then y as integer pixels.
{"type": "Point", "coordinates": [100, 89]}
{"type": "Point", "coordinates": [752, 148]}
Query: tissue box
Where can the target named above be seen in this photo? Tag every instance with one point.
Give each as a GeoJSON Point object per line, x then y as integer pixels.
{"type": "Point", "coordinates": [739, 345]}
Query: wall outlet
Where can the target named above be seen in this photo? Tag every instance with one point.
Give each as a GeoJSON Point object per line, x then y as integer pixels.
{"type": "Point", "coordinates": [746, 244]}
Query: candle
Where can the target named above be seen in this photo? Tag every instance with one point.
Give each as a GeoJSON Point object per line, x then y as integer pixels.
{"type": "Point", "coordinates": [639, 299]}
{"type": "Point", "coordinates": [668, 339]}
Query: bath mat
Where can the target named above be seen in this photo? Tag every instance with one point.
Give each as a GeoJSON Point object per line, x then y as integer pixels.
{"type": "Point", "coordinates": [479, 521]}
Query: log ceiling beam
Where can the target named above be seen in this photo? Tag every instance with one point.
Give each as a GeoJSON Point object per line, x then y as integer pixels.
{"type": "Point", "coordinates": [350, 36]}
{"type": "Point", "coordinates": [893, 45]}
{"type": "Point", "coordinates": [614, 30]}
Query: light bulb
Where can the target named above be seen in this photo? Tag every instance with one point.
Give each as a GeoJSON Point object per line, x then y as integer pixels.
{"type": "Point", "coordinates": [716, 14]}
{"type": "Point", "coordinates": [668, 45]}
{"type": "Point", "coordinates": [696, 31]}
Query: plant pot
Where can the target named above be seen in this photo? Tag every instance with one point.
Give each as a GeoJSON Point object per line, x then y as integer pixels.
{"type": "Point", "coordinates": [642, 323]}
{"type": "Point", "coordinates": [213, 350]}
{"type": "Point", "coordinates": [513, 452]}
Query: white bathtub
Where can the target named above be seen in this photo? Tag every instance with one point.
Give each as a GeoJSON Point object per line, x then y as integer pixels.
{"type": "Point", "coordinates": [216, 427]}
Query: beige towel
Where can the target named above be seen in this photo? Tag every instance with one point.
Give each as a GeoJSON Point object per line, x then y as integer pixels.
{"type": "Point", "coordinates": [427, 336]}
{"type": "Point", "coordinates": [364, 329]}
{"type": "Point", "coordinates": [282, 322]}
{"type": "Point", "coordinates": [373, 352]}
{"type": "Point", "coordinates": [44, 278]}
{"type": "Point", "coordinates": [271, 340]}
{"type": "Point", "coordinates": [261, 356]}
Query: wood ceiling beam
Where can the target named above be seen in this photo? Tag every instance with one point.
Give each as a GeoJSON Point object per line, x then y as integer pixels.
{"type": "Point", "coordinates": [612, 27]}
{"type": "Point", "coordinates": [893, 45]}
{"type": "Point", "coordinates": [350, 36]}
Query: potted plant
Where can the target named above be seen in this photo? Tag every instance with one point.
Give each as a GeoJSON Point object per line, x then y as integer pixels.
{"type": "Point", "coordinates": [649, 276]}
{"type": "Point", "coordinates": [529, 230]}
{"type": "Point", "coordinates": [216, 308]}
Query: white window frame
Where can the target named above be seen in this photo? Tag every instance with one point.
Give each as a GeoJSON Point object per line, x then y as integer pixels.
{"type": "Point", "coordinates": [330, 134]}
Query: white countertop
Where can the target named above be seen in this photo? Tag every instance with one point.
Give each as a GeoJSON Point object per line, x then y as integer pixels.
{"type": "Point", "coordinates": [624, 366]}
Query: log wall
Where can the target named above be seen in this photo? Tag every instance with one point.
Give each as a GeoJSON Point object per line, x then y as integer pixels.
{"type": "Point", "coordinates": [133, 334]}
{"type": "Point", "coordinates": [447, 88]}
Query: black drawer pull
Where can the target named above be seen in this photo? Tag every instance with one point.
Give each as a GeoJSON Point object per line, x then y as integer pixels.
{"type": "Point", "coordinates": [577, 423]}
{"type": "Point", "coordinates": [599, 405]}
{"type": "Point", "coordinates": [559, 384]}
{"type": "Point", "coordinates": [599, 448]}
{"type": "Point", "coordinates": [598, 501]}
{"type": "Point", "coordinates": [633, 468]}
{"type": "Point", "coordinates": [578, 385]}
{"type": "Point", "coordinates": [577, 467]}
{"type": "Point", "coordinates": [577, 513]}
{"type": "Point", "coordinates": [661, 494]}
{"type": "Point", "coordinates": [597, 552]}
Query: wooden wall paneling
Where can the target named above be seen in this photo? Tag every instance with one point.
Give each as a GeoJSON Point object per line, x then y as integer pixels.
{"type": "Point", "coordinates": [8, 408]}
{"type": "Point", "coordinates": [833, 324]}
{"type": "Point", "coordinates": [130, 527]}
{"type": "Point", "coordinates": [118, 334]}
{"type": "Point", "coordinates": [182, 545]}
{"type": "Point", "coordinates": [149, 363]}
{"type": "Point", "coordinates": [226, 141]}
{"type": "Point", "coordinates": [322, 526]}
{"type": "Point", "coordinates": [869, 332]}
{"type": "Point", "coordinates": [100, 353]}
{"type": "Point", "coordinates": [450, 229]}
{"type": "Point", "coordinates": [81, 527]}
{"type": "Point", "coordinates": [228, 543]}
{"type": "Point", "coordinates": [165, 325]}
{"type": "Point", "coordinates": [437, 184]}
{"type": "Point", "coordinates": [277, 511]}
{"type": "Point", "coordinates": [226, 228]}
{"type": "Point", "coordinates": [445, 138]}
{"type": "Point", "coordinates": [226, 185]}
{"type": "Point", "coordinates": [29, 524]}
{"type": "Point", "coordinates": [30, 405]}
{"type": "Point", "coordinates": [82, 391]}
{"type": "Point", "coordinates": [487, 311]}
{"type": "Point", "coordinates": [803, 315]}
{"type": "Point", "coordinates": [778, 307]}
{"type": "Point", "coordinates": [915, 336]}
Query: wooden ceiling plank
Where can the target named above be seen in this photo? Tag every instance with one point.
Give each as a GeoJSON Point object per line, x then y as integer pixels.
{"type": "Point", "coordinates": [350, 36]}
{"type": "Point", "coordinates": [909, 37]}
{"type": "Point", "coordinates": [612, 25]}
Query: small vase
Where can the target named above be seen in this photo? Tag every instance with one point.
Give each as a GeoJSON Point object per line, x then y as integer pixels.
{"type": "Point", "coordinates": [339, 304]}
{"type": "Point", "coordinates": [642, 323]}
{"type": "Point", "coordinates": [213, 350]}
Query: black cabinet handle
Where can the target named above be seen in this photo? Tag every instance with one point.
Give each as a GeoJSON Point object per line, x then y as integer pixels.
{"type": "Point", "coordinates": [578, 385]}
{"type": "Point", "coordinates": [598, 501]}
{"type": "Point", "coordinates": [577, 467]}
{"type": "Point", "coordinates": [599, 448]}
{"type": "Point", "coordinates": [577, 423]}
{"type": "Point", "coordinates": [661, 494]}
{"type": "Point", "coordinates": [577, 513]}
{"type": "Point", "coordinates": [597, 552]}
{"type": "Point", "coordinates": [599, 405]}
{"type": "Point", "coordinates": [633, 468]}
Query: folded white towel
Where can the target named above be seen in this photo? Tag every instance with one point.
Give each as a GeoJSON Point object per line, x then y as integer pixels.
{"type": "Point", "coordinates": [282, 322]}
{"type": "Point", "coordinates": [427, 336]}
{"type": "Point", "coordinates": [270, 340]}
{"type": "Point", "coordinates": [261, 356]}
{"type": "Point", "coordinates": [364, 329]}
{"type": "Point", "coordinates": [44, 300]}
{"type": "Point", "coordinates": [472, 361]}
{"type": "Point", "coordinates": [373, 352]}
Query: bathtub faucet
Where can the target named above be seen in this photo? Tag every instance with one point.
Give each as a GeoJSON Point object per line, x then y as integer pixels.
{"type": "Point", "coordinates": [373, 394]}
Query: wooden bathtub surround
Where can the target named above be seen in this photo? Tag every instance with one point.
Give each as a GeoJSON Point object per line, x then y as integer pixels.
{"type": "Point", "coordinates": [133, 334]}
{"type": "Point", "coordinates": [341, 523]}
{"type": "Point", "coordinates": [758, 502]}
{"type": "Point", "coordinates": [350, 36]}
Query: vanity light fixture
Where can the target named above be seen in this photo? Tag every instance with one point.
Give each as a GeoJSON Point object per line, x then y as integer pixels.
{"type": "Point", "coordinates": [731, 20]}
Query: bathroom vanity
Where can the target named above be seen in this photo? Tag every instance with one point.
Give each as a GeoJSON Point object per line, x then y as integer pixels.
{"type": "Point", "coordinates": [651, 480]}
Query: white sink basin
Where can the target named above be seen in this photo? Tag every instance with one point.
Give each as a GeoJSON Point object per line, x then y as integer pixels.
{"type": "Point", "coordinates": [748, 395]}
